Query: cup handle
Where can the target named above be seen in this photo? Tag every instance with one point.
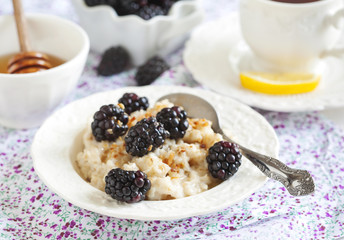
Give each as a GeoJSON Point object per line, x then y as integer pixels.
{"type": "Point", "coordinates": [335, 20]}
{"type": "Point", "coordinates": [338, 53]}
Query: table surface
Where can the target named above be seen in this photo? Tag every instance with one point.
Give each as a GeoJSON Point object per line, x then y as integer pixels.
{"type": "Point", "coordinates": [309, 140]}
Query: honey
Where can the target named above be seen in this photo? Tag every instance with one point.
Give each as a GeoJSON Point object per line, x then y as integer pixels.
{"type": "Point", "coordinates": [55, 61]}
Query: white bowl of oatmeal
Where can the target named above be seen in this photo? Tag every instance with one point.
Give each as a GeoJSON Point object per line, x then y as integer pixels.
{"type": "Point", "coordinates": [59, 141]}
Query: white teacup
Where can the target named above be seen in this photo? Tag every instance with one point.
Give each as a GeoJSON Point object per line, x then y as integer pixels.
{"type": "Point", "coordinates": [292, 37]}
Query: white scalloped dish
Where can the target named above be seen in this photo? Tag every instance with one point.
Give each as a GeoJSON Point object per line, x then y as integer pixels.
{"type": "Point", "coordinates": [58, 141]}
{"type": "Point", "coordinates": [159, 35]}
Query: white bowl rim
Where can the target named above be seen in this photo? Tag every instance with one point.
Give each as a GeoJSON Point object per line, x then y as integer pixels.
{"type": "Point", "coordinates": [85, 47]}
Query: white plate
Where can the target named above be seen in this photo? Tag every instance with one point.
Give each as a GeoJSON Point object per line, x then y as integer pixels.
{"type": "Point", "coordinates": [59, 140]}
{"type": "Point", "coordinates": [216, 52]}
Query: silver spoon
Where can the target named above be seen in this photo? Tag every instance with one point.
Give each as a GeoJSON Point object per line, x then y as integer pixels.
{"type": "Point", "coordinates": [298, 182]}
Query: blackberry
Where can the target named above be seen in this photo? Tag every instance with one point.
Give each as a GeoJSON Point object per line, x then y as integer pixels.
{"type": "Point", "coordinates": [110, 122]}
{"type": "Point", "coordinates": [132, 102]}
{"type": "Point", "coordinates": [168, 4]}
{"type": "Point", "coordinates": [145, 136]}
{"type": "Point", "coordinates": [145, 9]}
{"type": "Point", "coordinates": [112, 3]}
{"type": "Point", "coordinates": [165, 4]}
{"type": "Point", "coordinates": [127, 7]}
{"type": "Point", "coordinates": [149, 11]}
{"type": "Point", "coordinates": [114, 60]}
{"type": "Point", "coordinates": [127, 186]}
{"type": "Point", "coordinates": [224, 159]}
{"type": "Point", "coordinates": [174, 120]}
{"type": "Point", "coordinates": [151, 70]}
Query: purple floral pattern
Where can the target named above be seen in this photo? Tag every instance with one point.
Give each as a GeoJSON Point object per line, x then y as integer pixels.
{"type": "Point", "coordinates": [29, 210]}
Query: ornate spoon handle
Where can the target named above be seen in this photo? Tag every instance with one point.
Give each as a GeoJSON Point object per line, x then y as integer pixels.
{"type": "Point", "coordinates": [297, 182]}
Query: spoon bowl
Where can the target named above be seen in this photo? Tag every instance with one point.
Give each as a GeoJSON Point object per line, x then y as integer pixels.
{"type": "Point", "coordinates": [298, 182]}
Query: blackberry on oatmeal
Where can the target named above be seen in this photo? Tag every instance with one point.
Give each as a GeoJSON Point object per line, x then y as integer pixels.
{"type": "Point", "coordinates": [109, 123]}
{"type": "Point", "coordinates": [133, 103]}
{"type": "Point", "coordinates": [224, 159]}
{"type": "Point", "coordinates": [174, 120]}
{"type": "Point", "coordinates": [127, 186]}
{"type": "Point", "coordinates": [145, 136]}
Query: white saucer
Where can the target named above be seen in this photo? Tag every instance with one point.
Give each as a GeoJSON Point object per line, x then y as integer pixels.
{"type": "Point", "coordinates": [216, 52]}
{"type": "Point", "coordinates": [242, 59]}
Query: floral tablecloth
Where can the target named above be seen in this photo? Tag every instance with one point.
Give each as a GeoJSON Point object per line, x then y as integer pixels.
{"type": "Point", "coordinates": [29, 210]}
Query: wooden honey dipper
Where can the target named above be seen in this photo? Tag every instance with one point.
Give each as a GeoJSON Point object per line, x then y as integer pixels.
{"type": "Point", "coordinates": [26, 61]}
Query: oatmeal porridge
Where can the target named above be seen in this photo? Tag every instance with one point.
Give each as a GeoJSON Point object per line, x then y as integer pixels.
{"type": "Point", "coordinates": [176, 169]}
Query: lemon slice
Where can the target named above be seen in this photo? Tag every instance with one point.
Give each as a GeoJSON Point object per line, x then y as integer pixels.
{"type": "Point", "coordinates": [279, 83]}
